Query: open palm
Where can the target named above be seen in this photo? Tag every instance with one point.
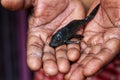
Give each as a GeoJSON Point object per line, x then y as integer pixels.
{"type": "Point", "coordinates": [101, 42]}
{"type": "Point", "coordinates": [46, 19]}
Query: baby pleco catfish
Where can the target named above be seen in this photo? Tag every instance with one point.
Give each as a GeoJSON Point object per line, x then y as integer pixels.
{"type": "Point", "coordinates": [63, 35]}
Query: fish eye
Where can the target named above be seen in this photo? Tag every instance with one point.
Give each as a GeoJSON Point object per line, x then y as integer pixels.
{"type": "Point", "coordinates": [59, 37]}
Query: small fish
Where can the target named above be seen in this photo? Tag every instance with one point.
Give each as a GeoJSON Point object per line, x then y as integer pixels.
{"type": "Point", "coordinates": [63, 35]}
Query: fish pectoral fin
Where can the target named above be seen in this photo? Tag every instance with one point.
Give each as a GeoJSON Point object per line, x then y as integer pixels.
{"type": "Point", "coordinates": [80, 37]}
{"type": "Point", "coordinates": [72, 42]}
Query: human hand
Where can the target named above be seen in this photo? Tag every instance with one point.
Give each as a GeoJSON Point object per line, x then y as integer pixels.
{"type": "Point", "coordinates": [103, 46]}
{"type": "Point", "coordinates": [101, 41]}
{"type": "Point", "coordinates": [47, 17]}
{"type": "Point", "coordinates": [16, 4]}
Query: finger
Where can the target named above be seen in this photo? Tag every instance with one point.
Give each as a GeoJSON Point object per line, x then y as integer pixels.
{"type": "Point", "coordinates": [73, 51]}
{"type": "Point", "coordinates": [40, 75]}
{"type": "Point", "coordinates": [108, 52]}
{"type": "Point", "coordinates": [72, 69]}
{"type": "Point", "coordinates": [91, 62]}
{"type": "Point", "coordinates": [77, 74]}
{"type": "Point", "coordinates": [90, 50]}
{"type": "Point", "coordinates": [49, 61]}
{"type": "Point", "coordinates": [16, 5]}
{"type": "Point", "coordinates": [34, 52]}
{"type": "Point", "coordinates": [62, 60]}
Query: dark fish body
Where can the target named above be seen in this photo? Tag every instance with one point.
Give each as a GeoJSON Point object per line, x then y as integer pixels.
{"type": "Point", "coordinates": [63, 35]}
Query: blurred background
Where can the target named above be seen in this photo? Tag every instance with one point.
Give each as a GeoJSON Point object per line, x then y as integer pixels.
{"type": "Point", "coordinates": [13, 26]}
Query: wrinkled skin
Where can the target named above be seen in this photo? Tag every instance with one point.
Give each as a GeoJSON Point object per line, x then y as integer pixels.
{"type": "Point", "coordinates": [16, 4]}
{"type": "Point", "coordinates": [42, 27]}
{"type": "Point", "coordinates": [100, 44]}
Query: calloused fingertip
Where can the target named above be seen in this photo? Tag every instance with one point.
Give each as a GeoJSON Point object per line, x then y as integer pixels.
{"type": "Point", "coordinates": [34, 63]}
{"type": "Point", "coordinates": [50, 67]}
{"type": "Point", "coordinates": [62, 60]}
{"type": "Point", "coordinates": [63, 65]}
{"type": "Point", "coordinates": [73, 54]}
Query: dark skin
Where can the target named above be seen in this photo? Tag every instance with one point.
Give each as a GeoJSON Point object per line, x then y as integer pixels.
{"type": "Point", "coordinates": [100, 44]}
